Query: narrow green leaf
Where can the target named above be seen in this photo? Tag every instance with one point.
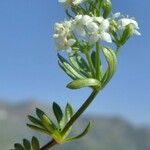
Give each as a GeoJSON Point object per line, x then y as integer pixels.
{"type": "Point", "coordinates": [35, 143]}
{"type": "Point", "coordinates": [48, 124]}
{"type": "Point", "coordinates": [68, 112]}
{"type": "Point", "coordinates": [39, 113]}
{"type": "Point", "coordinates": [35, 120]}
{"type": "Point", "coordinates": [77, 66]}
{"type": "Point", "coordinates": [83, 64]}
{"type": "Point", "coordinates": [80, 135]}
{"type": "Point", "coordinates": [18, 146]}
{"type": "Point", "coordinates": [26, 144]}
{"type": "Point", "coordinates": [59, 115]}
{"type": "Point", "coordinates": [66, 65]}
{"type": "Point", "coordinates": [89, 82]}
{"type": "Point", "coordinates": [112, 62]}
{"type": "Point", "coordinates": [93, 55]}
{"type": "Point", "coordinates": [33, 127]}
{"type": "Point", "coordinates": [66, 71]}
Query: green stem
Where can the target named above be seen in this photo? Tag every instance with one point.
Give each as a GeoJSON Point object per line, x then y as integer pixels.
{"type": "Point", "coordinates": [97, 58]}
{"type": "Point", "coordinates": [117, 50]}
{"type": "Point", "coordinates": [88, 57]}
{"type": "Point", "coordinates": [80, 111]}
{"type": "Point", "coordinates": [49, 145]}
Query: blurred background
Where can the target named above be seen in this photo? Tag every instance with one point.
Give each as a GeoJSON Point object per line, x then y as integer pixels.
{"type": "Point", "coordinates": [30, 78]}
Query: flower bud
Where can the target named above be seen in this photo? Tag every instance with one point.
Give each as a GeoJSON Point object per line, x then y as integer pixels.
{"type": "Point", "coordinates": [113, 26]}
{"type": "Point", "coordinates": [128, 32]}
{"type": "Point", "coordinates": [107, 8]}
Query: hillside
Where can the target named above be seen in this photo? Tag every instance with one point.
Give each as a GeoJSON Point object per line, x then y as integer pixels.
{"type": "Point", "coordinates": [107, 134]}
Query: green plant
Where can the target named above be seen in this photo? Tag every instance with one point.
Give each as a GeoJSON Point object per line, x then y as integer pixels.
{"type": "Point", "coordinates": [84, 39]}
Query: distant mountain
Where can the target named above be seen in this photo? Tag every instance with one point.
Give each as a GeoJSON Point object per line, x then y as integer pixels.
{"type": "Point", "coordinates": [107, 133]}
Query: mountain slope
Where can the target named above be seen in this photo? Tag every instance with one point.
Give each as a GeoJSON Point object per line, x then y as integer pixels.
{"type": "Point", "coordinates": [107, 133]}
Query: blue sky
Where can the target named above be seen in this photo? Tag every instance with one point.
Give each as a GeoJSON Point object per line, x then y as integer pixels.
{"type": "Point", "coordinates": [28, 62]}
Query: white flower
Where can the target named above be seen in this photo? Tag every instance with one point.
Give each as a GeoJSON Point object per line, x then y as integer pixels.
{"type": "Point", "coordinates": [68, 2]}
{"type": "Point", "coordinates": [100, 31]}
{"type": "Point", "coordinates": [62, 36]}
{"type": "Point", "coordinates": [92, 27]}
{"type": "Point", "coordinates": [126, 21]}
{"type": "Point", "coordinates": [98, 19]}
{"type": "Point", "coordinates": [105, 24]}
{"type": "Point", "coordinates": [77, 2]}
{"type": "Point", "coordinates": [86, 19]}
{"type": "Point", "coordinates": [106, 37]}
{"type": "Point", "coordinates": [122, 22]}
{"type": "Point", "coordinates": [85, 28]}
{"type": "Point", "coordinates": [116, 15]}
{"type": "Point", "coordinates": [62, 43]}
{"type": "Point", "coordinates": [79, 24]}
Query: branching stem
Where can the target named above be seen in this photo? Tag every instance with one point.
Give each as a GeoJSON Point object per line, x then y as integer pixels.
{"type": "Point", "coordinates": [80, 111]}
{"type": "Point", "coordinates": [73, 119]}
{"type": "Point", "coordinates": [49, 145]}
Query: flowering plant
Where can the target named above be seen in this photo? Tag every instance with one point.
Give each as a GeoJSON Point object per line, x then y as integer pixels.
{"type": "Point", "coordinates": [90, 31]}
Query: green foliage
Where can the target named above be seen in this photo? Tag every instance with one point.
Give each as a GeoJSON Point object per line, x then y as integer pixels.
{"type": "Point", "coordinates": [82, 63]}
{"type": "Point", "coordinates": [33, 145]}
{"type": "Point", "coordinates": [89, 82]}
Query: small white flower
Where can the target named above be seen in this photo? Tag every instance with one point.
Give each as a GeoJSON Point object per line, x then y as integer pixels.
{"type": "Point", "coordinates": [101, 32]}
{"type": "Point", "coordinates": [86, 19]}
{"type": "Point", "coordinates": [62, 36]}
{"type": "Point", "coordinates": [106, 37]}
{"type": "Point", "coordinates": [123, 22]}
{"type": "Point", "coordinates": [92, 27]}
{"type": "Point", "coordinates": [105, 24]}
{"type": "Point", "coordinates": [126, 21]}
{"type": "Point", "coordinates": [77, 2]}
{"type": "Point", "coordinates": [98, 19]}
{"type": "Point", "coordinates": [116, 15]}
{"type": "Point", "coordinates": [68, 2]}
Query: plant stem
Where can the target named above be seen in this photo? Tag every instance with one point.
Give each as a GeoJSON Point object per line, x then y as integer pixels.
{"type": "Point", "coordinates": [118, 50]}
{"type": "Point", "coordinates": [49, 145]}
{"type": "Point", "coordinates": [80, 111]}
{"type": "Point", "coordinates": [89, 62]}
{"type": "Point", "coordinates": [97, 58]}
{"type": "Point", "coordinates": [73, 119]}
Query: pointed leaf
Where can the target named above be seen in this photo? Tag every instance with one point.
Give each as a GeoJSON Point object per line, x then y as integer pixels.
{"type": "Point", "coordinates": [48, 124]}
{"type": "Point", "coordinates": [35, 120]}
{"type": "Point", "coordinates": [26, 144]}
{"type": "Point", "coordinates": [39, 113]}
{"type": "Point", "coordinates": [112, 62]}
{"type": "Point", "coordinates": [76, 64]}
{"type": "Point", "coordinates": [59, 115]}
{"type": "Point", "coordinates": [80, 83]}
{"type": "Point", "coordinates": [80, 135]}
{"type": "Point", "coordinates": [66, 65]}
{"type": "Point", "coordinates": [83, 64]}
{"type": "Point", "coordinates": [33, 127]}
{"type": "Point", "coordinates": [18, 146]}
{"type": "Point", "coordinates": [35, 144]}
{"type": "Point", "coordinates": [66, 71]}
{"type": "Point", "coordinates": [68, 112]}
{"type": "Point", "coordinates": [93, 56]}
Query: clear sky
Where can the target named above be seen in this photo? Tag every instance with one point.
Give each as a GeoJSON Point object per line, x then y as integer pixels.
{"type": "Point", "coordinates": [28, 62]}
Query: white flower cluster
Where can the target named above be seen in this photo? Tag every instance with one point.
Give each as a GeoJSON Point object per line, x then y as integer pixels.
{"type": "Point", "coordinates": [85, 27]}
{"type": "Point", "coordinates": [68, 2]}
{"type": "Point", "coordinates": [90, 29]}
{"type": "Point", "coordinates": [63, 37]}
{"type": "Point", "coordinates": [122, 22]}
